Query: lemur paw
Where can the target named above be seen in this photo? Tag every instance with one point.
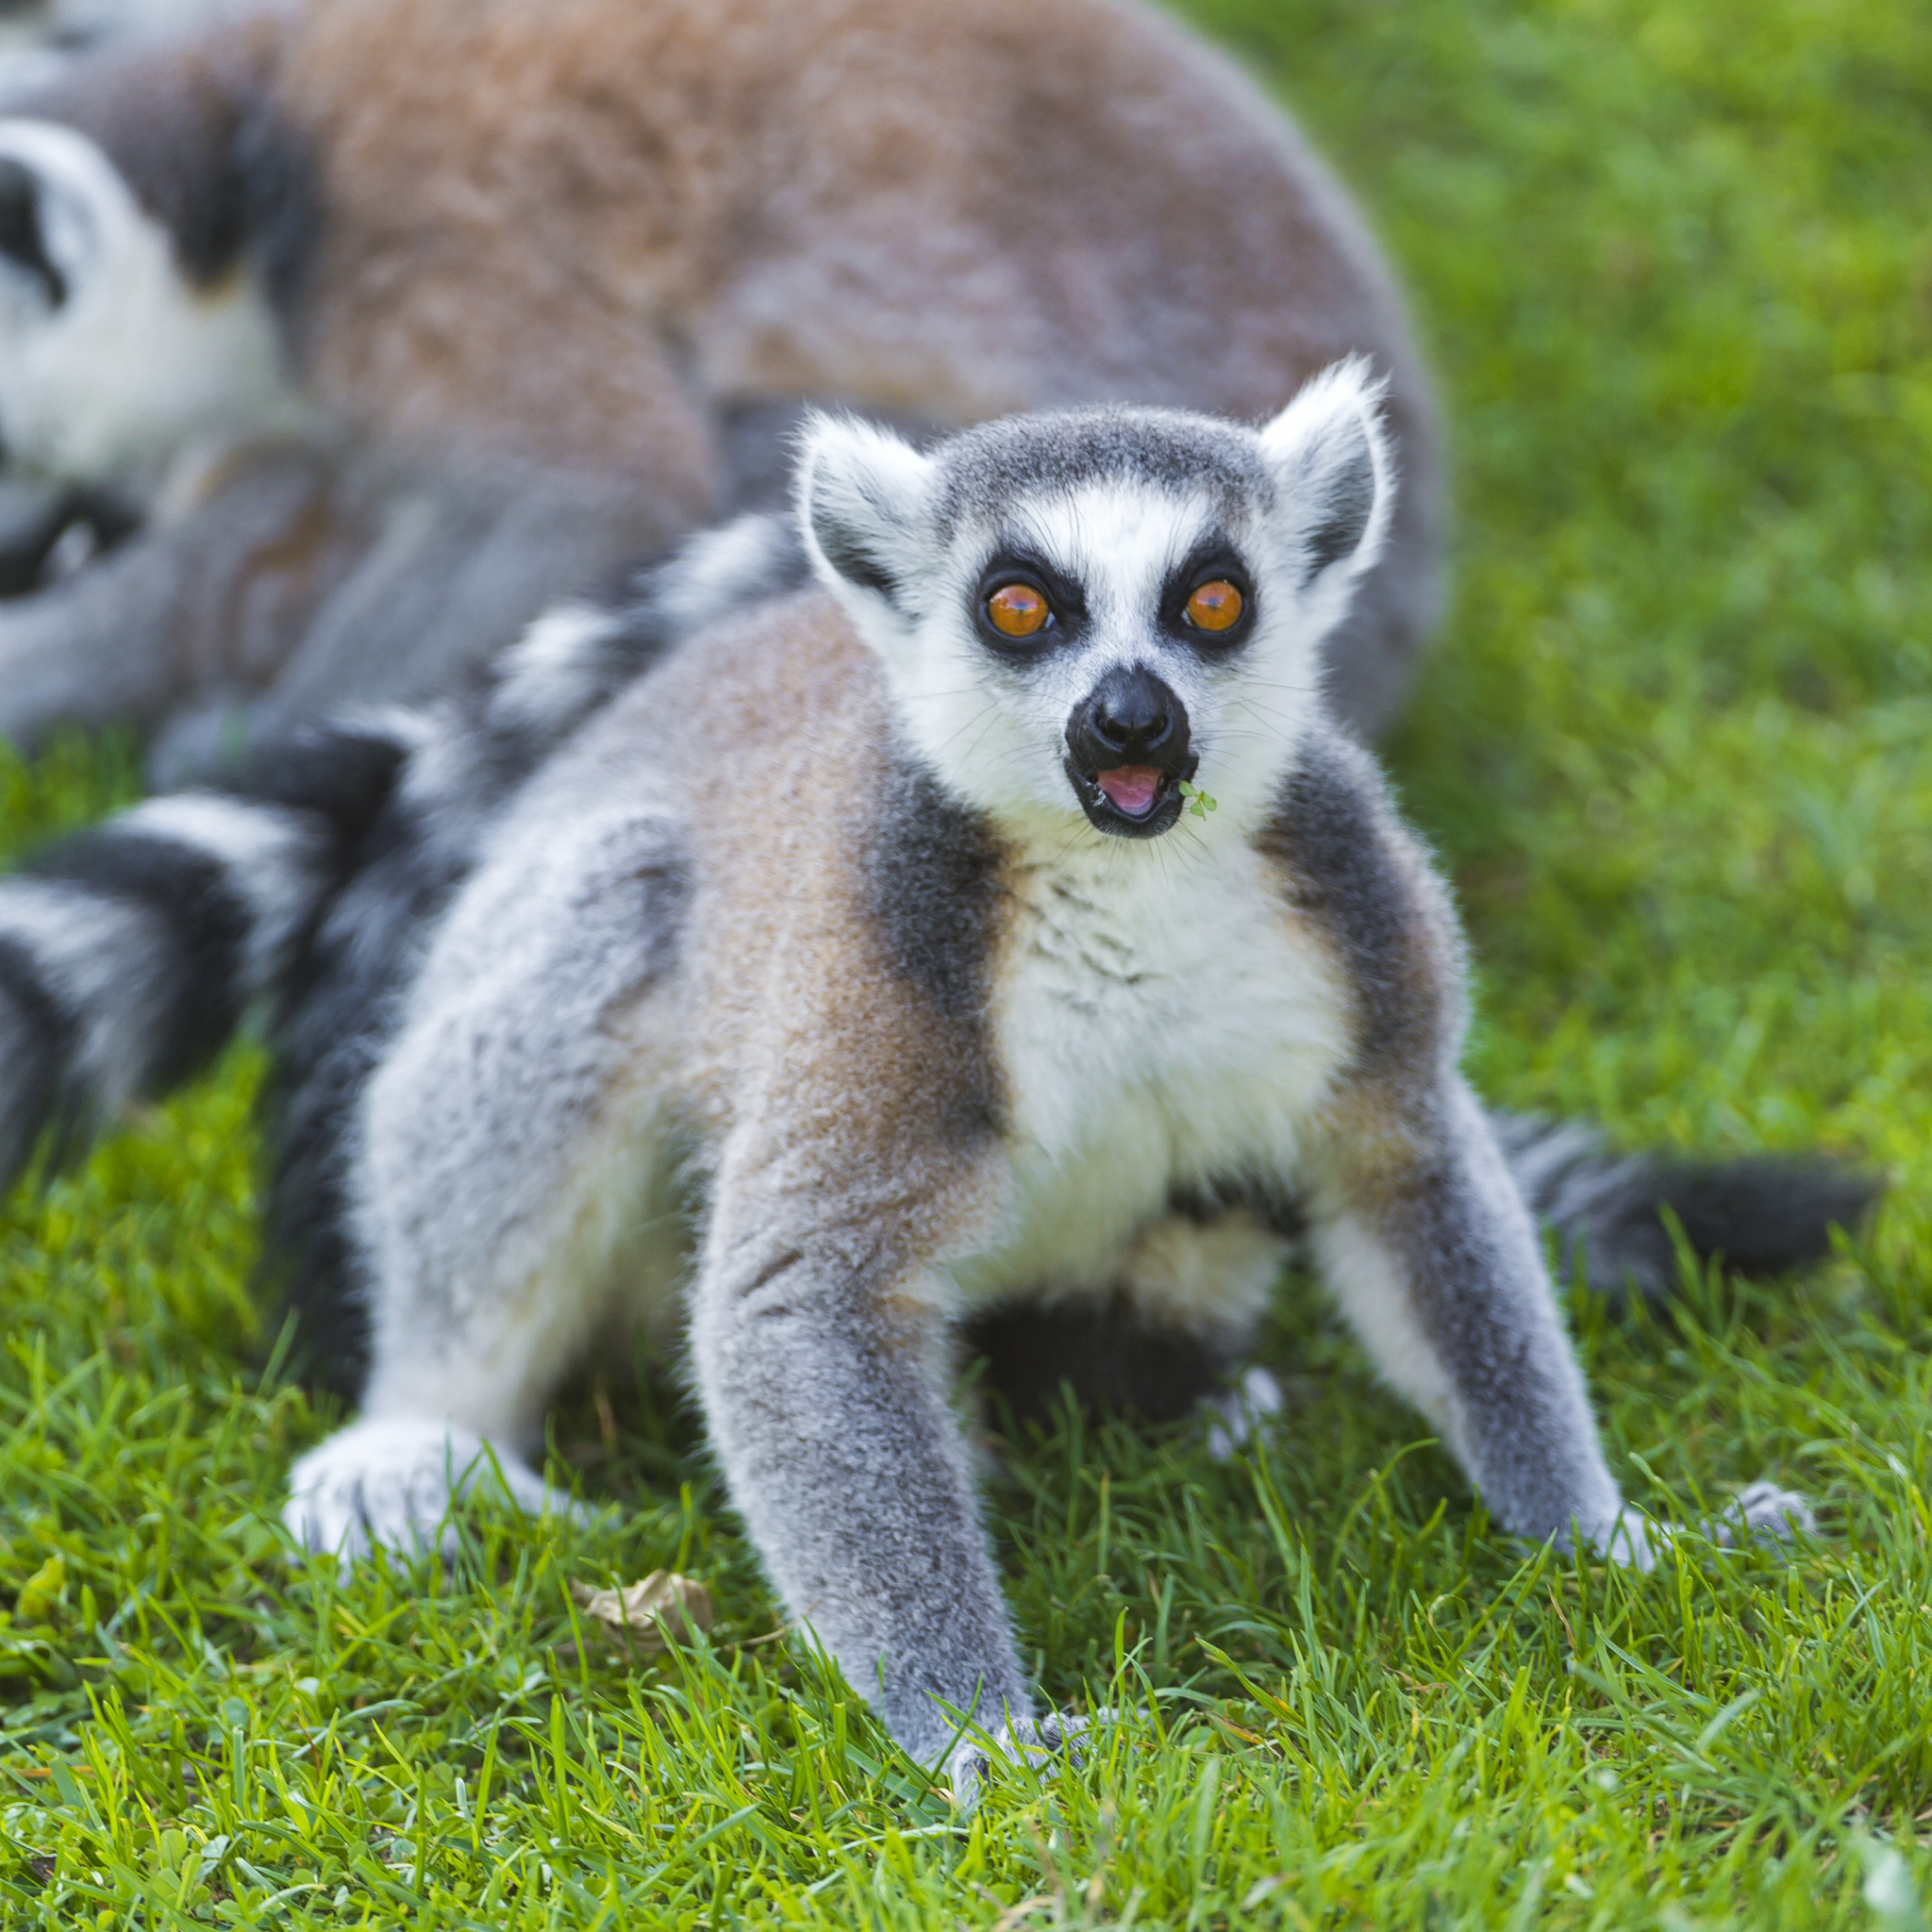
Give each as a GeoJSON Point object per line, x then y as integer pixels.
{"type": "Point", "coordinates": [1632, 1539]}
{"type": "Point", "coordinates": [1760, 1513]}
{"type": "Point", "coordinates": [1235, 1417]}
{"type": "Point", "coordinates": [390, 1483]}
{"type": "Point", "coordinates": [1027, 1740]}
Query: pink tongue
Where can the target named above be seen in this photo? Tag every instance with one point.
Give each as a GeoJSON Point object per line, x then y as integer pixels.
{"type": "Point", "coordinates": [1132, 788]}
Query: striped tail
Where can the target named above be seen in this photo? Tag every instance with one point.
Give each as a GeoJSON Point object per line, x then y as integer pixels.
{"type": "Point", "coordinates": [1764, 1215]}
{"type": "Point", "coordinates": [128, 953]}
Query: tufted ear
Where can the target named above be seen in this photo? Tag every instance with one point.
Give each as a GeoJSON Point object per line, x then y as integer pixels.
{"type": "Point", "coordinates": [1334, 473]}
{"type": "Point", "coordinates": [865, 501]}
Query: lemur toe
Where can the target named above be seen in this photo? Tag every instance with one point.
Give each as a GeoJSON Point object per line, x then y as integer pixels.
{"type": "Point", "coordinates": [1235, 1416]}
{"type": "Point", "coordinates": [391, 1485]}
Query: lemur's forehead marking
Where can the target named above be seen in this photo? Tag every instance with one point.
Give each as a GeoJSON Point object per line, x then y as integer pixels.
{"type": "Point", "coordinates": [986, 472]}
{"type": "Point", "coordinates": [1113, 539]}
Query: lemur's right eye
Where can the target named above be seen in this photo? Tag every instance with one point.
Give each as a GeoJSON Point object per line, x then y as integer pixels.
{"type": "Point", "coordinates": [1018, 610]}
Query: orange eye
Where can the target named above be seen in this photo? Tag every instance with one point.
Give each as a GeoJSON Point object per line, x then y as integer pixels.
{"type": "Point", "coordinates": [1215, 607]}
{"type": "Point", "coordinates": [1018, 612]}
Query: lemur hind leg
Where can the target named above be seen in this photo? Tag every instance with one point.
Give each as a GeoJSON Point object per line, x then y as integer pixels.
{"type": "Point", "coordinates": [1168, 1334]}
{"type": "Point", "coordinates": [506, 1175]}
{"type": "Point", "coordinates": [1105, 1350]}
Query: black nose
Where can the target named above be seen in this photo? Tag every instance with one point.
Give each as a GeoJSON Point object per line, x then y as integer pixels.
{"type": "Point", "coordinates": [1129, 718]}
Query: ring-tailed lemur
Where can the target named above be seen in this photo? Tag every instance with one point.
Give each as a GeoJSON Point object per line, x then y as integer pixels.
{"type": "Point", "coordinates": [869, 935]}
{"type": "Point", "coordinates": [589, 257]}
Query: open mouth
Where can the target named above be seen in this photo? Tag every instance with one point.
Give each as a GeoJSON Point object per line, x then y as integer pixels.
{"type": "Point", "coordinates": [1129, 801]}
{"type": "Point", "coordinates": [1133, 790]}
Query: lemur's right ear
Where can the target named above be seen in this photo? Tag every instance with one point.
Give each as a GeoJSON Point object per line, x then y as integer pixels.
{"type": "Point", "coordinates": [864, 502]}
{"type": "Point", "coordinates": [1334, 475]}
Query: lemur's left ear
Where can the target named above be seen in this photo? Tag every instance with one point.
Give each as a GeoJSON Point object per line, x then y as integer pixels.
{"type": "Point", "coordinates": [864, 503]}
{"type": "Point", "coordinates": [1333, 472]}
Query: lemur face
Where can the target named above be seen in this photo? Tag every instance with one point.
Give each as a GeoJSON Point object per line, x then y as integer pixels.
{"type": "Point", "coordinates": [1081, 613]}
{"type": "Point", "coordinates": [111, 361]}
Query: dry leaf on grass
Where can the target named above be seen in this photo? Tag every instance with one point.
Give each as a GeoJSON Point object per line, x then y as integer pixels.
{"type": "Point", "coordinates": [652, 1614]}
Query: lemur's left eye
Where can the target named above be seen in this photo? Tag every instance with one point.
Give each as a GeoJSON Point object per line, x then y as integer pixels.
{"type": "Point", "coordinates": [1215, 606]}
{"type": "Point", "coordinates": [1018, 610]}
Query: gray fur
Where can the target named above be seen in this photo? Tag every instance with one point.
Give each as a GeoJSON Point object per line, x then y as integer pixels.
{"type": "Point", "coordinates": [1463, 1319]}
{"type": "Point", "coordinates": [988, 469]}
{"type": "Point", "coordinates": [195, 630]}
{"type": "Point", "coordinates": [128, 953]}
{"type": "Point", "coordinates": [421, 584]}
{"type": "Point", "coordinates": [1763, 1214]}
{"type": "Point", "coordinates": [1331, 833]}
{"type": "Point", "coordinates": [846, 1457]}
{"type": "Point", "coordinates": [1476, 1340]}
{"type": "Point", "coordinates": [932, 870]}
{"type": "Point", "coordinates": [820, 1306]}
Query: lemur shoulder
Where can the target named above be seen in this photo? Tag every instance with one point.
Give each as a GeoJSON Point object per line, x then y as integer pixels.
{"type": "Point", "coordinates": [844, 906]}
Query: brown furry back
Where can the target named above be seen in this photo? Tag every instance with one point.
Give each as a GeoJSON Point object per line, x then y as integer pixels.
{"type": "Point", "coordinates": [579, 234]}
{"type": "Point", "coordinates": [574, 229]}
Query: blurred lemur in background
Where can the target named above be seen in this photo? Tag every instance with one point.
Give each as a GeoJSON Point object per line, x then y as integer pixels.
{"type": "Point", "coordinates": [392, 319]}
{"type": "Point", "coordinates": [852, 911]}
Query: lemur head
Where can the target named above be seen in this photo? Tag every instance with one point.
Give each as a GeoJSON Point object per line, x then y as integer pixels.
{"type": "Point", "coordinates": [119, 346]}
{"type": "Point", "coordinates": [1080, 612]}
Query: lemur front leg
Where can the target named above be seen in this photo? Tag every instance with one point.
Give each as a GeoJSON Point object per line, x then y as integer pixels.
{"type": "Point", "coordinates": [510, 1171]}
{"type": "Point", "coordinates": [1422, 1234]}
{"type": "Point", "coordinates": [819, 1340]}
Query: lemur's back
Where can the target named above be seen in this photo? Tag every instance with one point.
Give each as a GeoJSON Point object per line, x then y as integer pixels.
{"type": "Point", "coordinates": [617, 239]}
{"type": "Point", "coordinates": [956, 209]}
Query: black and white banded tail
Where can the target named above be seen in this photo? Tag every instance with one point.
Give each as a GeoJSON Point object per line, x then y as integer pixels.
{"type": "Point", "coordinates": [1764, 1214]}
{"type": "Point", "coordinates": [129, 951]}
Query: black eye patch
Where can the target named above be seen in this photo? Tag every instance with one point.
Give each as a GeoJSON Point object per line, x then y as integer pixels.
{"type": "Point", "coordinates": [1013, 568]}
{"type": "Point", "coordinates": [20, 236]}
{"type": "Point", "coordinates": [1213, 564]}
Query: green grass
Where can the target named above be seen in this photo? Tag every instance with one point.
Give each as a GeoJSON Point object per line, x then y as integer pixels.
{"type": "Point", "coordinates": [1674, 259]}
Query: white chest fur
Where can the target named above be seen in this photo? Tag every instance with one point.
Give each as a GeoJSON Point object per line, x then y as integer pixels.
{"type": "Point", "coordinates": [1162, 1021]}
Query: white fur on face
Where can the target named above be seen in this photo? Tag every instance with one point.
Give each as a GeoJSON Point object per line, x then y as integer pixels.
{"type": "Point", "coordinates": [135, 366]}
{"type": "Point", "coordinates": [996, 731]}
